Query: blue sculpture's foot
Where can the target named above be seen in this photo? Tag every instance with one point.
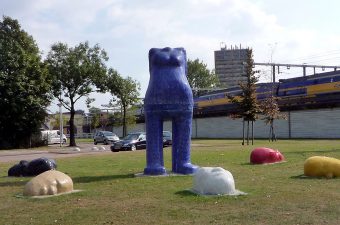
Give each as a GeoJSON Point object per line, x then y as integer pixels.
{"type": "Point", "coordinates": [155, 171]}
{"type": "Point", "coordinates": [186, 168]}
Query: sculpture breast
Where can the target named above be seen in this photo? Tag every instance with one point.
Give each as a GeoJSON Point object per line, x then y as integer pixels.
{"type": "Point", "coordinates": [168, 83]}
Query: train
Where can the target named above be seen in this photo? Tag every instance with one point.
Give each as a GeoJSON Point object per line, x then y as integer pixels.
{"type": "Point", "coordinates": [313, 91]}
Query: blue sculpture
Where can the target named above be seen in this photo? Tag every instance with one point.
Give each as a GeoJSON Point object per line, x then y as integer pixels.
{"type": "Point", "coordinates": [168, 96]}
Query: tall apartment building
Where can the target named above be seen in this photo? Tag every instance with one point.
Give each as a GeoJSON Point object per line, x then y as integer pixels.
{"type": "Point", "coordinates": [229, 66]}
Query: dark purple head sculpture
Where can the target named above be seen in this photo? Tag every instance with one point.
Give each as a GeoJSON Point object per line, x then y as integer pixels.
{"type": "Point", "coordinates": [168, 97]}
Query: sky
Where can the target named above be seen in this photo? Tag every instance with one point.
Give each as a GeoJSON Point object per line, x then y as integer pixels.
{"type": "Point", "coordinates": [280, 31]}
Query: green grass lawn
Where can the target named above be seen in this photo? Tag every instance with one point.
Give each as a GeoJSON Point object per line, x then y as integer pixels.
{"type": "Point", "coordinates": [112, 195]}
{"type": "Point", "coordinates": [83, 140]}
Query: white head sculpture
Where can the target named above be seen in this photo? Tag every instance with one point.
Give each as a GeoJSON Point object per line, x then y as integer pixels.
{"type": "Point", "coordinates": [214, 181]}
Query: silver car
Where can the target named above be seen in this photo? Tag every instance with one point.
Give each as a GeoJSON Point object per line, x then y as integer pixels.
{"type": "Point", "coordinates": [105, 137]}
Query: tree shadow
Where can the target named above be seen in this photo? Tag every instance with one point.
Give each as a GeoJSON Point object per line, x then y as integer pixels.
{"type": "Point", "coordinates": [247, 164]}
{"type": "Point", "coordinates": [261, 164]}
{"type": "Point", "coordinates": [13, 183]}
{"type": "Point", "coordinates": [185, 193]}
{"type": "Point", "coordinates": [89, 179]}
{"type": "Point", "coordinates": [85, 179]}
{"type": "Point", "coordinates": [302, 176]}
{"type": "Point", "coordinates": [313, 151]}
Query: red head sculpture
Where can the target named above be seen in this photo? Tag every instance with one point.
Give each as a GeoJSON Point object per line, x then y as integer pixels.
{"type": "Point", "coordinates": [265, 155]}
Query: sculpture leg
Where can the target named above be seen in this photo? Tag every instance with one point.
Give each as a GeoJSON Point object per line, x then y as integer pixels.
{"type": "Point", "coordinates": [154, 145]}
{"type": "Point", "coordinates": [181, 128]}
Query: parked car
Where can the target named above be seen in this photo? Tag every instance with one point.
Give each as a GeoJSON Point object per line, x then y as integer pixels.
{"type": "Point", "coordinates": [52, 137]}
{"type": "Point", "coordinates": [167, 138]}
{"type": "Point", "coordinates": [131, 142]}
{"type": "Point", "coordinates": [105, 137]}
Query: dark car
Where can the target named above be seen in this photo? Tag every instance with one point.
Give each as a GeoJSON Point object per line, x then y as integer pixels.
{"type": "Point", "coordinates": [167, 138]}
{"type": "Point", "coordinates": [105, 137]}
{"type": "Point", "coordinates": [131, 142]}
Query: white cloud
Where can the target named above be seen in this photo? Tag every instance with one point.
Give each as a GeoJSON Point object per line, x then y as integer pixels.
{"type": "Point", "coordinates": [128, 29]}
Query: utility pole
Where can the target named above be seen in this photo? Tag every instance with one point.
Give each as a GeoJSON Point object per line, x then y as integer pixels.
{"type": "Point", "coordinates": [61, 124]}
{"type": "Point", "coordinates": [60, 110]}
{"type": "Point", "coordinates": [303, 66]}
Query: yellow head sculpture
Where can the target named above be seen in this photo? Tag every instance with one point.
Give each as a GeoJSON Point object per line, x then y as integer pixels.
{"type": "Point", "coordinates": [321, 166]}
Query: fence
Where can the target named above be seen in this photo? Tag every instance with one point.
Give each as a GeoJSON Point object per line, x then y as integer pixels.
{"type": "Point", "coordinates": [82, 135]}
{"type": "Point", "coordinates": [313, 123]}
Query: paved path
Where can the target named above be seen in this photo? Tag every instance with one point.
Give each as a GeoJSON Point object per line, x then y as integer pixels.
{"type": "Point", "coordinates": [52, 151]}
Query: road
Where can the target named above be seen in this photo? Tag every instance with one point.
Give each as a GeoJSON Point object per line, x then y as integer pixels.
{"type": "Point", "coordinates": [51, 151]}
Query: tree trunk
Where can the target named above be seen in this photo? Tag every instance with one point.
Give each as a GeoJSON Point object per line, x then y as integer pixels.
{"type": "Point", "coordinates": [72, 138]}
{"type": "Point", "coordinates": [247, 132]}
{"type": "Point", "coordinates": [124, 120]}
{"type": "Point", "coordinates": [243, 134]}
{"type": "Point", "coordinates": [252, 132]}
{"type": "Point", "coordinates": [273, 131]}
{"type": "Point", "coordinates": [30, 143]}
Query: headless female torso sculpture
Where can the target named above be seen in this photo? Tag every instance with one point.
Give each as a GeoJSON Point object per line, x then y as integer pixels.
{"type": "Point", "coordinates": [168, 96]}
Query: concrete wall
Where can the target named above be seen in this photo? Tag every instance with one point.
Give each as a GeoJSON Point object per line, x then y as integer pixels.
{"type": "Point", "coordinates": [319, 123]}
{"type": "Point", "coordinates": [225, 127]}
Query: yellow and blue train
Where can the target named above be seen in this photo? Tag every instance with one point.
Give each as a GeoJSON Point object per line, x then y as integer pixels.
{"type": "Point", "coordinates": [314, 91]}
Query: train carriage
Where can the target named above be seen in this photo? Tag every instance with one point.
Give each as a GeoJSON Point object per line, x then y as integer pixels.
{"type": "Point", "coordinates": [320, 90]}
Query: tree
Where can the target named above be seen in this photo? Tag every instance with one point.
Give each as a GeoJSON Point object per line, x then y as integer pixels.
{"type": "Point", "coordinates": [24, 86]}
{"type": "Point", "coordinates": [95, 117]}
{"type": "Point", "coordinates": [247, 103]}
{"type": "Point", "coordinates": [75, 72]}
{"type": "Point", "coordinates": [200, 77]}
{"type": "Point", "coordinates": [271, 112]}
{"type": "Point", "coordinates": [117, 118]}
{"type": "Point", "coordinates": [55, 124]}
{"type": "Point", "coordinates": [126, 92]}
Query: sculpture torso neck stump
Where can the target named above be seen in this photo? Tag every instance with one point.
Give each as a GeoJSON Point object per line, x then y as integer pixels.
{"type": "Point", "coordinates": [168, 96]}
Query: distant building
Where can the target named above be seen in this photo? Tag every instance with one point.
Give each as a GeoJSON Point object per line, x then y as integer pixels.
{"type": "Point", "coordinates": [229, 66]}
{"type": "Point", "coordinates": [52, 121]}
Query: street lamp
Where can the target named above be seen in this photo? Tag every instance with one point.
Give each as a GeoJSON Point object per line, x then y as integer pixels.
{"type": "Point", "coordinates": [60, 108]}
{"type": "Point", "coordinates": [61, 124]}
